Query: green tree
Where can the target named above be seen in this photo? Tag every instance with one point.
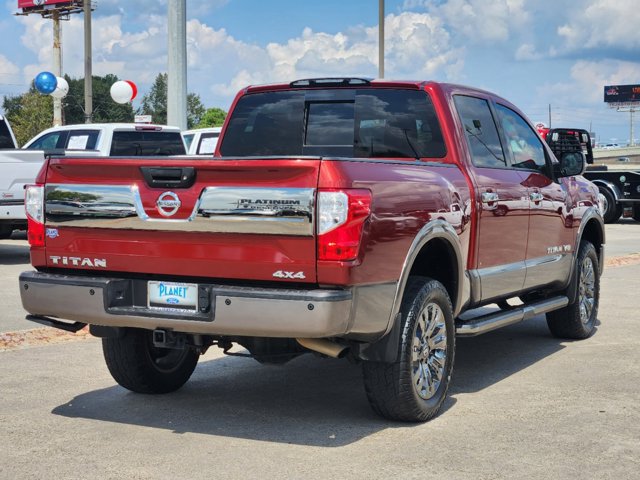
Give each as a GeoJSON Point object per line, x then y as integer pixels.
{"type": "Point", "coordinates": [213, 117]}
{"type": "Point", "coordinates": [195, 110]}
{"type": "Point", "coordinates": [105, 110]}
{"type": "Point", "coordinates": [154, 103]}
{"type": "Point", "coordinates": [28, 114]}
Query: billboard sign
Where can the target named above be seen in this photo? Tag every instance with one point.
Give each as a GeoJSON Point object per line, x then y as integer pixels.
{"type": "Point", "coordinates": [42, 4]}
{"type": "Point", "coordinates": [622, 94]}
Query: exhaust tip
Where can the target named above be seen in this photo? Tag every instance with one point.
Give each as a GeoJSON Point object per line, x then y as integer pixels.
{"type": "Point", "coordinates": [324, 346]}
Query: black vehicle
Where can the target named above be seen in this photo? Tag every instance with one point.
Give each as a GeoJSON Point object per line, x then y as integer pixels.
{"type": "Point", "coordinates": [619, 187]}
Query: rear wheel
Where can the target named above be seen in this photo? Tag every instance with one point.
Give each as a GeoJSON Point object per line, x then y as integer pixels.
{"type": "Point", "coordinates": [578, 320]}
{"type": "Point", "coordinates": [636, 213]}
{"type": "Point", "coordinates": [612, 210]}
{"type": "Point", "coordinates": [136, 364]}
{"type": "Point", "coordinates": [414, 387]}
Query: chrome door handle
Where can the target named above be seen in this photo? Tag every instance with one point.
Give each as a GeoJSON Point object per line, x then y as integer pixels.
{"type": "Point", "coordinates": [536, 197]}
{"type": "Point", "coordinates": [489, 197]}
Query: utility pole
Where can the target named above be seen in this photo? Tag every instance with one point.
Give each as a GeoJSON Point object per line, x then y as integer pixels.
{"type": "Point", "coordinates": [380, 38]}
{"type": "Point", "coordinates": [549, 115]}
{"type": "Point", "coordinates": [177, 64]}
{"type": "Point", "coordinates": [631, 112]}
{"type": "Point", "coordinates": [57, 66]}
{"type": "Point", "coordinates": [88, 73]}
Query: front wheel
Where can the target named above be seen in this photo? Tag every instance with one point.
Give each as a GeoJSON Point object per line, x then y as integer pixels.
{"type": "Point", "coordinates": [138, 365]}
{"type": "Point", "coordinates": [414, 387]}
{"type": "Point", "coordinates": [636, 213]}
{"type": "Point", "coordinates": [578, 320]}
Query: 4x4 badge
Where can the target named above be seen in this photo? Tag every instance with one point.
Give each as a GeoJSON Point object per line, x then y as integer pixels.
{"type": "Point", "coordinates": [168, 204]}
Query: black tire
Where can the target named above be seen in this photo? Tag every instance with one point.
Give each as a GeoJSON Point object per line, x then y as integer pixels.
{"type": "Point", "coordinates": [578, 320]}
{"type": "Point", "coordinates": [397, 390]}
{"type": "Point", "coordinates": [136, 364]}
{"type": "Point", "coordinates": [612, 210]}
{"type": "Point", "coordinates": [636, 213]}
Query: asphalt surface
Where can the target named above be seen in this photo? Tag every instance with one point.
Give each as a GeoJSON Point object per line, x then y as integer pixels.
{"type": "Point", "coordinates": [522, 404]}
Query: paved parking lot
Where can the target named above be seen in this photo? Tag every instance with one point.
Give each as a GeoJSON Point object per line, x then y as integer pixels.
{"type": "Point", "coordinates": [522, 405]}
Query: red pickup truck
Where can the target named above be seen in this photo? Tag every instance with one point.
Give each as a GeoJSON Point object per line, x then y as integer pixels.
{"type": "Point", "coordinates": [357, 218]}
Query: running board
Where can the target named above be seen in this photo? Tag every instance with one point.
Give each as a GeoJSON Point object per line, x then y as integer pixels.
{"type": "Point", "coordinates": [493, 321]}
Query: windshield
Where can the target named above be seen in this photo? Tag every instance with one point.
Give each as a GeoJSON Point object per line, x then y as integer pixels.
{"type": "Point", "coordinates": [361, 123]}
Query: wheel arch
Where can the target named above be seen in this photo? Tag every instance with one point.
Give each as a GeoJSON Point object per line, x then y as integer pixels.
{"type": "Point", "coordinates": [435, 253]}
{"type": "Point", "coordinates": [592, 230]}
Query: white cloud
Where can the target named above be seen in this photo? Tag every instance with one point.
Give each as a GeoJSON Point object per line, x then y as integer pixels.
{"type": "Point", "coordinates": [7, 67]}
{"type": "Point", "coordinates": [417, 46]}
{"type": "Point", "coordinates": [603, 23]}
{"type": "Point", "coordinates": [527, 52]}
{"type": "Point", "coordinates": [588, 79]}
{"type": "Point", "coordinates": [479, 20]}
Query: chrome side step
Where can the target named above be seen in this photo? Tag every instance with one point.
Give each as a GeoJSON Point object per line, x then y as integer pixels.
{"type": "Point", "coordinates": [493, 321]}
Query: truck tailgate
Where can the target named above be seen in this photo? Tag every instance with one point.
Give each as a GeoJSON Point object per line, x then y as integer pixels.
{"type": "Point", "coordinates": [250, 219]}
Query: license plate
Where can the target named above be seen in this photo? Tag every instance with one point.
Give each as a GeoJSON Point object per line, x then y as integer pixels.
{"type": "Point", "coordinates": [176, 296]}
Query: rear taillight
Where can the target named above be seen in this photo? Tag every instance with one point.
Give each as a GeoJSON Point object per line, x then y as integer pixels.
{"type": "Point", "coordinates": [34, 206]}
{"type": "Point", "coordinates": [341, 215]}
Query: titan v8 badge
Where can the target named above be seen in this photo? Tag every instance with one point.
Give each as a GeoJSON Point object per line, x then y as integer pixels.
{"type": "Point", "coordinates": [168, 204]}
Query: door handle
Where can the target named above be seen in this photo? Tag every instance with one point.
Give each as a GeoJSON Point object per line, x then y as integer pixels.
{"type": "Point", "coordinates": [489, 197]}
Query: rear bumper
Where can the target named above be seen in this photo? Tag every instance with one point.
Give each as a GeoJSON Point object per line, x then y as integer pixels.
{"type": "Point", "coordinates": [224, 310]}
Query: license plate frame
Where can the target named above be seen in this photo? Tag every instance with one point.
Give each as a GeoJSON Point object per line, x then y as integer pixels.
{"type": "Point", "coordinates": [176, 296]}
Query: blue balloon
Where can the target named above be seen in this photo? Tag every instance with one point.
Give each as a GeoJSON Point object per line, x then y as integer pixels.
{"type": "Point", "coordinates": [46, 82]}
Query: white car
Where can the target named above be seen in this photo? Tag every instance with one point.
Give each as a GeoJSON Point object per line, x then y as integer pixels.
{"type": "Point", "coordinates": [111, 139]}
{"type": "Point", "coordinates": [201, 141]}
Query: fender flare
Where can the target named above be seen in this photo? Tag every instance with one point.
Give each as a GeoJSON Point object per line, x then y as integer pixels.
{"type": "Point", "coordinates": [386, 348]}
{"type": "Point", "coordinates": [591, 214]}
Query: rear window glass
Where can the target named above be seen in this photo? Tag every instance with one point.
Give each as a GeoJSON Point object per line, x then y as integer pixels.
{"type": "Point", "coordinates": [266, 124]}
{"type": "Point", "coordinates": [146, 143]}
{"type": "Point", "coordinates": [365, 123]}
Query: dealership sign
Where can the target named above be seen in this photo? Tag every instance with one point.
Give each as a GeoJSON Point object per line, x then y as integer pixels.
{"type": "Point", "coordinates": [622, 94]}
{"type": "Point", "coordinates": [35, 4]}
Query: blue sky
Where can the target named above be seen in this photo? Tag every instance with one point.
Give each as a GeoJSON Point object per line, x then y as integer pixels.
{"type": "Point", "coordinates": [559, 53]}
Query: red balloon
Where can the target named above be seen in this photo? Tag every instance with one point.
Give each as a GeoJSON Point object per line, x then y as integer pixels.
{"type": "Point", "coordinates": [133, 88]}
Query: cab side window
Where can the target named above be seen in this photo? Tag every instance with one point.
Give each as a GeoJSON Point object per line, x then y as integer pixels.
{"type": "Point", "coordinates": [525, 144]}
{"type": "Point", "coordinates": [481, 132]}
{"type": "Point", "coordinates": [50, 141]}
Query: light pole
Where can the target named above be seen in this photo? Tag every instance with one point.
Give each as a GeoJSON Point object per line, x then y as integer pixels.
{"type": "Point", "coordinates": [381, 38]}
{"type": "Point", "coordinates": [177, 64]}
{"type": "Point", "coordinates": [88, 71]}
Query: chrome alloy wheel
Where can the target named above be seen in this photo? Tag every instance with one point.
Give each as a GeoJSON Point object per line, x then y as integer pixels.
{"type": "Point", "coordinates": [587, 289]}
{"type": "Point", "coordinates": [429, 351]}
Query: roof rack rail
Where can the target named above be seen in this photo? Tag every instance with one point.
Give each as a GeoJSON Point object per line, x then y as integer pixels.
{"type": "Point", "coordinates": [330, 82]}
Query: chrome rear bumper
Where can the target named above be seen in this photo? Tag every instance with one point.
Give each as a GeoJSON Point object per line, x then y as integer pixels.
{"type": "Point", "coordinates": [224, 310]}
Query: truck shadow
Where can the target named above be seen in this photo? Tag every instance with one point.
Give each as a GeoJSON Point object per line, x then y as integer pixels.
{"type": "Point", "coordinates": [309, 401]}
{"type": "Point", "coordinates": [14, 252]}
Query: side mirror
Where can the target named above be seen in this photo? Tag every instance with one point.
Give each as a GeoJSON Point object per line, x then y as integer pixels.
{"type": "Point", "coordinates": [571, 164]}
